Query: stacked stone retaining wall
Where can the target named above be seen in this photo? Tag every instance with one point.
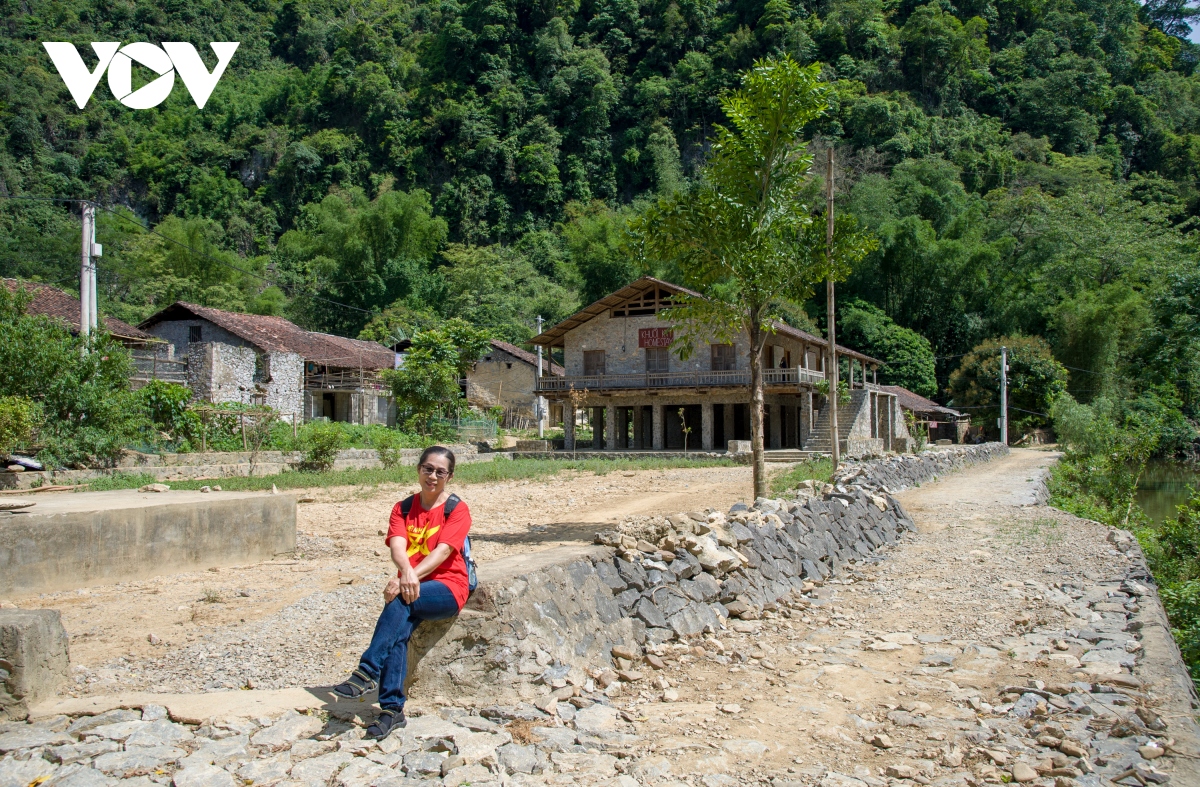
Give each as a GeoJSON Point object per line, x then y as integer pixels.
{"type": "Point", "coordinates": [895, 473]}
{"type": "Point", "coordinates": [542, 632]}
{"type": "Point", "coordinates": [560, 623]}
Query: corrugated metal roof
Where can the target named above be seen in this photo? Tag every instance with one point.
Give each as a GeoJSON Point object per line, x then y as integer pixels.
{"type": "Point", "coordinates": [917, 403]}
{"type": "Point", "coordinates": [548, 366]}
{"type": "Point", "coordinates": [275, 334]}
{"type": "Point", "coordinates": [553, 337]}
{"type": "Point", "coordinates": [53, 302]}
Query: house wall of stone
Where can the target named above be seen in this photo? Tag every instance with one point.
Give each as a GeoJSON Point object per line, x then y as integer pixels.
{"type": "Point", "coordinates": [177, 331]}
{"type": "Point", "coordinates": [283, 382]}
{"type": "Point", "coordinates": [501, 379]}
{"type": "Point", "coordinates": [220, 373]}
{"type": "Point", "coordinates": [618, 337]}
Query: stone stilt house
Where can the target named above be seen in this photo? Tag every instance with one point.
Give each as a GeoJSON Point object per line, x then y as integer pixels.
{"type": "Point", "coordinates": [251, 358]}
{"type": "Point", "coordinates": [618, 363]}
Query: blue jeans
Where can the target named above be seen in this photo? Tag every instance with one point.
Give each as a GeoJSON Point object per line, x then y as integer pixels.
{"type": "Point", "coordinates": [386, 658]}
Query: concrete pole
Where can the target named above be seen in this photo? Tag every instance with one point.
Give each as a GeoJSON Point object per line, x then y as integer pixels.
{"type": "Point", "coordinates": [539, 402]}
{"type": "Point", "coordinates": [832, 376]}
{"type": "Point", "coordinates": [85, 273]}
{"type": "Point", "coordinates": [1004, 395]}
{"type": "Point", "coordinates": [93, 253]}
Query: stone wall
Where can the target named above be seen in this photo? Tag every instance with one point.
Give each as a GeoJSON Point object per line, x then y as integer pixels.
{"type": "Point", "coordinates": [894, 473]}
{"type": "Point", "coordinates": [283, 382]}
{"type": "Point", "coordinates": [177, 332]}
{"type": "Point", "coordinates": [556, 625]}
{"type": "Point", "coordinates": [220, 372]}
{"type": "Point", "coordinates": [550, 623]}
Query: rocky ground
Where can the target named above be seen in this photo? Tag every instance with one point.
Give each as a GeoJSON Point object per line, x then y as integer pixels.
{"type": "Point", "coordinates": [243, 626]}
{"type": "Point", "coordinates": [1002, 642]}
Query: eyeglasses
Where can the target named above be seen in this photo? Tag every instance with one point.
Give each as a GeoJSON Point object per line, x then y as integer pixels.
{"type": "Point", "coordinates": [436, 472]}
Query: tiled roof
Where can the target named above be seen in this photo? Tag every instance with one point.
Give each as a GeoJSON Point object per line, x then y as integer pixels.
{"type": "Point", "coordinates": [53, 302]}
{"type": "Point", "coordinates": [548, 366]}
{"type": "Point", "coordinates": [553, 336]}
{"type": "Point", "coordinates": [918, 404]}
{"type": "Point", "coordinates": [275, 334]}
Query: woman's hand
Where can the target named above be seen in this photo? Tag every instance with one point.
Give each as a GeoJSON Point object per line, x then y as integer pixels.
{"type": "Point", "coordinates": [391, 590]}
{"type": "Point", "coordinates": [410, 585]}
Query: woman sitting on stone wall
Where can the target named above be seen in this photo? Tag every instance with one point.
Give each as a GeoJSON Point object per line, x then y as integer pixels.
{"type": "Point", "coordinates": [428, 539]}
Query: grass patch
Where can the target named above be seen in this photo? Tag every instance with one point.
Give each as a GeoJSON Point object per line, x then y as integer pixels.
{"type": "Point", "coordinates": [1042, 531]}
{"type": "Point", "coordinates": [472, 473]}
{"type": "Point", "coordinates": [809, 469]}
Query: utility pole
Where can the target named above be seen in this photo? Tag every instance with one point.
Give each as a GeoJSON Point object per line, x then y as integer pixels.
{"type": "Point", "coordinates": [1004, 395]}
{"type": "Point", "coordinates": [88, 215]}
{"type": "Point", "coordinates": [541, 407]}
{"type": "Point", "coordinates": [94, 252]}
{"type": "Point", "coordinates": [833, 359]}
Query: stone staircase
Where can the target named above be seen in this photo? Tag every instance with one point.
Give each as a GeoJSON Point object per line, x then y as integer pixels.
{"type": "Point", "coordinates": [818, 439]}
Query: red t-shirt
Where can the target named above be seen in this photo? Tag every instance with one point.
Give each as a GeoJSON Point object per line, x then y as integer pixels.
{"type": "Point", "coordinates": [425, 530]}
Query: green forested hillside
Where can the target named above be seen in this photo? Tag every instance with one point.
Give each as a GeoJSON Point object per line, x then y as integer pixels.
{"type": "Point", "coordinates": [1029, 166]}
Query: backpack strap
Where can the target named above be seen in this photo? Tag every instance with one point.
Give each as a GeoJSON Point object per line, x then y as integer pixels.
{"type": "Point", "coordinates": [448, 509]}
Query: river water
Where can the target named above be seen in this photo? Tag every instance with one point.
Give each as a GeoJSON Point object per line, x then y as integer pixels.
{"type": "Point", "coordinates": [1164, 486]}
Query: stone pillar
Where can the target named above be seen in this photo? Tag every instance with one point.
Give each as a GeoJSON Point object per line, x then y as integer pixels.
{"type": "Point", "coordinates": [597, 428]}
{"type": "Point", "coordinates": [639, 428]}
{"type": "Point", "coordinates": [706, 426]}
{"type": "Point", "coordinates": [805, 418]}
{"type": "Point", "coordinates": [727, 411]}
{"type": "Point", "coordinates": [776, 437]}
{"type": "Point", "coordinates": [568, 410]}
{"type": "Point", "coordinates": [610, 428]}
{"type": "Point", "coordinates": [660, 427]}
{"type": "Point", "coordinates": [622, 428]}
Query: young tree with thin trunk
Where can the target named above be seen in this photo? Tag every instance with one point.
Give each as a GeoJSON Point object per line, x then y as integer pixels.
{"type": "Point", "coordinates": [741, 235]}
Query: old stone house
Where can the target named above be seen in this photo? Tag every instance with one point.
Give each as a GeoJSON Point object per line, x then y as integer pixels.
{"type": "Point", "coordinates": [619, 363]}
{"type": "Point", "coordinates": [506, 376]}
{"type": "Point", "coordinates": [251, 358]}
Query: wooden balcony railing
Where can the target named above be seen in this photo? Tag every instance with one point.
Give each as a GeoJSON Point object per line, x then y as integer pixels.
{"type": "Point", "coordinates": [344, 380]}
{"type": "Point", "coordinates": [692, 379]}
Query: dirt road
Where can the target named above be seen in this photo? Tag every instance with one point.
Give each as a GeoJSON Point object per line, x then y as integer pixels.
{"type": "Point", "coordinates": [962, 656]}
{"type": "Point", "coordinates": [115, 628]}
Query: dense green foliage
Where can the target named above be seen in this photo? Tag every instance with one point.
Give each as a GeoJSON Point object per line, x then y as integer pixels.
{"type": "Point", "coordinates": [909, 356]}
{"type": "Point", "coordinates": [1029, 169]}
{"type": "Point", "coordinates": [1036, 380]}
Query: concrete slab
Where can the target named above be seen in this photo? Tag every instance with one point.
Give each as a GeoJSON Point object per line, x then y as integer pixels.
{"type": "Point", "coordinates": [73, 540]}
{"type": "Point", "coordinates": [196, 708]}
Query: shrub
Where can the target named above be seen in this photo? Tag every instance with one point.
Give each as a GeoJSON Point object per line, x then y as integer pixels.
{"type": "Point", "coordinates": [388, 444]}
{"type": "Point", "coordinates": [82, 385]}
{"type": "Point", "coordinates": [20, 419]}
{"type": "Point", "coordinates": [320, 441]}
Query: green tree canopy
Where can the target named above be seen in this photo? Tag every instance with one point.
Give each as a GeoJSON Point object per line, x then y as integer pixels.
{"type": "Point", "coordinates": [909, 356]}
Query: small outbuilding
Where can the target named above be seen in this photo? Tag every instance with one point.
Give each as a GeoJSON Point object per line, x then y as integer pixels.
{"type": "Point", "coordinates": [943, 423]}
{"type": "Point", "coordinates": [506, 377]}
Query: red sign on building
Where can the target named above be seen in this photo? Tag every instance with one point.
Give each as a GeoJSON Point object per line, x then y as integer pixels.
{"type": "Point", "coordinates": [655, 337]}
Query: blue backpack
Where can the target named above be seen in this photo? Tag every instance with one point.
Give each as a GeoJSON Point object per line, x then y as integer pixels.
{"type": "Point", "coordinates": [447, 509]}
